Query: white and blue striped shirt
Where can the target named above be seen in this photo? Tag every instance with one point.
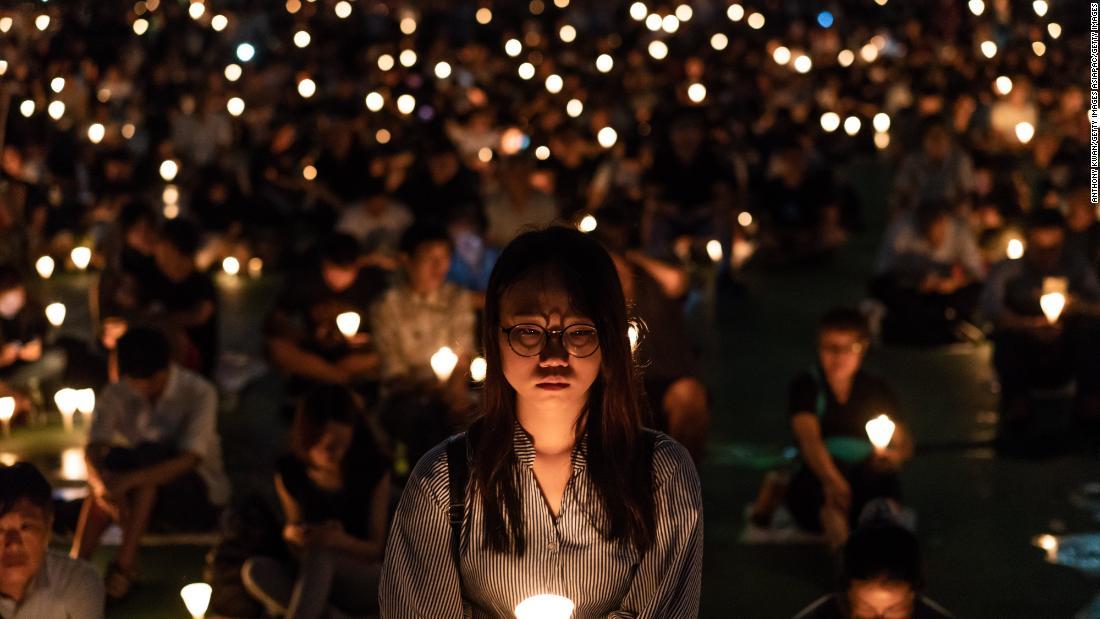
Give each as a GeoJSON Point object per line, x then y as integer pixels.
{"type": "Point", "coordinates": [565, 556]}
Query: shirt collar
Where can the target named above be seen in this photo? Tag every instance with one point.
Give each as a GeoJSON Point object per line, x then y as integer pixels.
{"type": "Point", "coordinates": [525, 448]}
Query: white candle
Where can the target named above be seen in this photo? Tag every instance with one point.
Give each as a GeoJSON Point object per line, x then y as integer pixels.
{"type": "Point", "coordinates": [7, 411]}
{"type": "Point", "coordinates": [73, 465]}
{"type": "Point", "coordinates": [231, 266]}
{"type": "Point", "coordinates": [881, 431]}
{"type": "Point", "coordinates": [546, 606]}
{"type": "Point", "coordinates": [348, 323]}
{"type": "Point", "coordinates": [714, 250]}
{"type": "Point", "coordinates": [443, 363]}
{"type": "Point", "coordinates": [66, 400]}
{"type": "Point", "coordinates": [55, 313]}
{"type": "Point", "coordinates": [1015, 249]}
{"type": "Point", "coordinates": [196, 597]}
{"type": "Point", "coordinates": [1052, 305]}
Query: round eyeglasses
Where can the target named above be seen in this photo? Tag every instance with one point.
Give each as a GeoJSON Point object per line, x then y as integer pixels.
{"type": "Point", "coordinates": [528, 340]}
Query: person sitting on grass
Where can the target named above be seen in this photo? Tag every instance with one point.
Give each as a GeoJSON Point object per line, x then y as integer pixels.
{"type": "Point", "coordinates": [303, 340]}
{"type": "Point", "coordinates": [830, 406]}
{"type": "Point", "coordinates": [881, 576]}
{"type": "Point", "coordinates": [36, 582]}
{"type": "Point", "coordinates": [421, 314]}
{"type": "Point", "coordinates": [153, 454]}
{"type": "Point", "coordinates": [334, 489]}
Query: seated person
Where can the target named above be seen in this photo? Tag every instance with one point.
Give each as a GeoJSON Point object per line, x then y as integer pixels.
{"type": "Point", "coordinates": [183, 300]}
{"type": "Point", "coordinates": [1031, 352]}
{"type": "Point", "coordinates": [375, 220]}
{"type": "Point", "coordinates": [153, 454]}
{"type": "Point", "coordinates": [302, 336]}
{"type": "Point", "coordinates": [24, 360]}
{"type": "Point", "coordinates": [421, 314]}
{"type": "Point", "coordinates": [1083, 226]}
{"type": "Point", "coordinates": [881, 575]}
{"type": "Point", "coordinates": [928, 275]}
{"type": "Point", "coordinates": [334, 489]}
{"type": "Point", "coordinates": [473, 259]}
{"type": "Point", "coordinates": [678, 400]}
{"type": "Point", "coordinates": [130, 267]}
{"type": "Point", "coordinates": [830, 406]}
{"type": "Point", "coordinates": [34, 581]}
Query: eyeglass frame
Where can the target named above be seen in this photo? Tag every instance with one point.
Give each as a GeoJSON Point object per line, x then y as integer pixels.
{"type": "Point", "coordinates": [546, 334]}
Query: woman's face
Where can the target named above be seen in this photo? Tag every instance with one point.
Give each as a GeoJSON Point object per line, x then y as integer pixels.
{"type": "Point", "coordinates": [553, 377]}
{"type": "Point", "coordinates": [329, 450]}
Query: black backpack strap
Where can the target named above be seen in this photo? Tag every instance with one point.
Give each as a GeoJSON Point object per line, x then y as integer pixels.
{"type": "Point", "coordinates": [458, 474]}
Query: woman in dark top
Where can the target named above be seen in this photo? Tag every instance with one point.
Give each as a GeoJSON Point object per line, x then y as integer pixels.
{"type": "Point", "coordinates": [829, 408]}
{"type": "Point", "coordinates": [334, 489]}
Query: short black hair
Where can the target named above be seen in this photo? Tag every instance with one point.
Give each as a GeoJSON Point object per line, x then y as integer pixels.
{"type": "Point", "coordinates": [339, 249]}
{"type": "Point", "coordinates": [181, 234]}
{"type": "Point", "coordinates": [142, 352]}
{"type": "Point", "coordinates": [882, 552]}
{"type": "Point", "coordinates": [929, 212]}
{"type": "Point", "coordinates": [133, 213]}
{"type": "Point", "coordinates": [844, 319]}
{"type": "Point", "coordinates": [1045, 218]}
{"type": "Point", "coordinates": [318, 407]}
{"type": "Point", "coordinates": [10, 278]}
{"type": "Point", "coordinates": [23, 480]}
{"type": "Point", "coordinates": [422, 233]}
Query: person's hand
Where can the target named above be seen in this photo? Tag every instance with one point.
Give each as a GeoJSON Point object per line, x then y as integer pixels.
{"type": "Point", "coordinates": [295, 534]}
{"type": "Point", "coordinates": [324, 535]}
{"type": "Point", "coordinates": [887, 460]}
{"type": "Point", "coordinates": [113, 329]}
{"type": "Point", "coordinates": [358, 364]}
{"type": "Point", "coordinates": [31, 352]}
{"type": "Point", "coordinates": [838, 492]}
{"type": "Point", "coordinates": [9, 353]}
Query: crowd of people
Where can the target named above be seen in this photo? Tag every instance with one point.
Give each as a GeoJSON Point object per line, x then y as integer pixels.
{"type": "Point", "coordinates": [381, 158]}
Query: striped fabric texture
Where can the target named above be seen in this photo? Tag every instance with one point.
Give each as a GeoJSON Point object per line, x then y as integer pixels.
{"type": "Point", "coordinates": [565, 556]}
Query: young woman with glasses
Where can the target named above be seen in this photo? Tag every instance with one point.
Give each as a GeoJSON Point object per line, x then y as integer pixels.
{"type": "Point", "coordinates": [567, 494]}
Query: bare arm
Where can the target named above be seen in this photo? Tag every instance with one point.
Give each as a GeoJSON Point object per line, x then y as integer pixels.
{"type": "Point", "coordinates": [672, 279]}
{"type": "Point", "coordinates": [807, 431]}
{"type": "Point", "coordinates": [293, 359]}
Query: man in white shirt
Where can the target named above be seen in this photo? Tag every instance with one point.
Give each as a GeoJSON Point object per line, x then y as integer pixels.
{"type": "Point", "coordinates": [35, 582]}
{"type": "Point", "coordinates": [153, 455]}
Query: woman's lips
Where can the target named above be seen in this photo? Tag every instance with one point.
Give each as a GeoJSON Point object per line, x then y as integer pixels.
{"type": "Point", "coordinates": [553, 386]}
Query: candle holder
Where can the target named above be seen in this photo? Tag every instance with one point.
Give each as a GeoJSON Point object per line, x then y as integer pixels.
{"type": "Point", "coordinates": [7, 411]}
{"type": "Point", "coordinates": [66, 400]}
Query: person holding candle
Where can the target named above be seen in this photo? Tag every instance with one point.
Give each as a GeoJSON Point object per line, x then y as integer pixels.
{"type": "Point", "coordinates": [1031, 351]}
{"type": "Point", "coordinates": [928, 274]}
{"type": "Point", "coordinates": [564, 492]}
{"type": "Point", "coordinates": [334, 489]}
{"type": "Point", "coordinates": [36, 582]}
{"type": "Point", "coordinates": [303, 337]}
{"type": "Point", "coordinates": [414, 320]}
{"type": "Point", "coordinates": [830, 406]}
{"type": "Point", "coordinates": [153, 455]}
{"type": "Point", "coordinates": [25, 359]}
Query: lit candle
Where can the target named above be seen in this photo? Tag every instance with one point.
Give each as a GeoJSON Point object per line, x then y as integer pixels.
{"type": "Point", "coordinates": [1015, 249]}
{"type": "Point", "coordinates": [1052, 305]}
{"type": "Point", "coordinates": [1024, 132]}
{"type": "Point", "coordinates": [587, 224]}
{"type": "Point", "coordinates": [196, 597]}
{"type": "Point", "coordinates": [255, 266]}
{"type": "Point", "coordinates": [881, 431]}
{"type": "Point", "coordinates": [44, 266]}
{"type": "Point", "coordinates": [66, 405]}
{"type": "Point", "coordinates": [478, 368]}
{"type": "Point", "coordinates": [546, 606]}
{"type": "Point", "coordinates": [1049, 543]}
{"type": "Point", "coordinates": [443, 363]}
{"type": "Point", "coordinates": [85, 403]}
{"type": "Point", "coordinates": [55, 313]}
{"type": "Point", "coordinates": [348, 323]}
{"type": "Point", "coordinates": [81, 257]}
{"type": "Point", "coordinates": [7, 411]}
{"type": "Point", "coordinates": [231, 266]}
{"type": "Point", "coordinates": [714, 250]}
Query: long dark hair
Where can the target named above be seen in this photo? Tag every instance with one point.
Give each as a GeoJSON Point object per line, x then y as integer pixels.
{"type": "Point", "coordinates": [337, 404]}
{"type": "Point", "coordinates": [617, 465]}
